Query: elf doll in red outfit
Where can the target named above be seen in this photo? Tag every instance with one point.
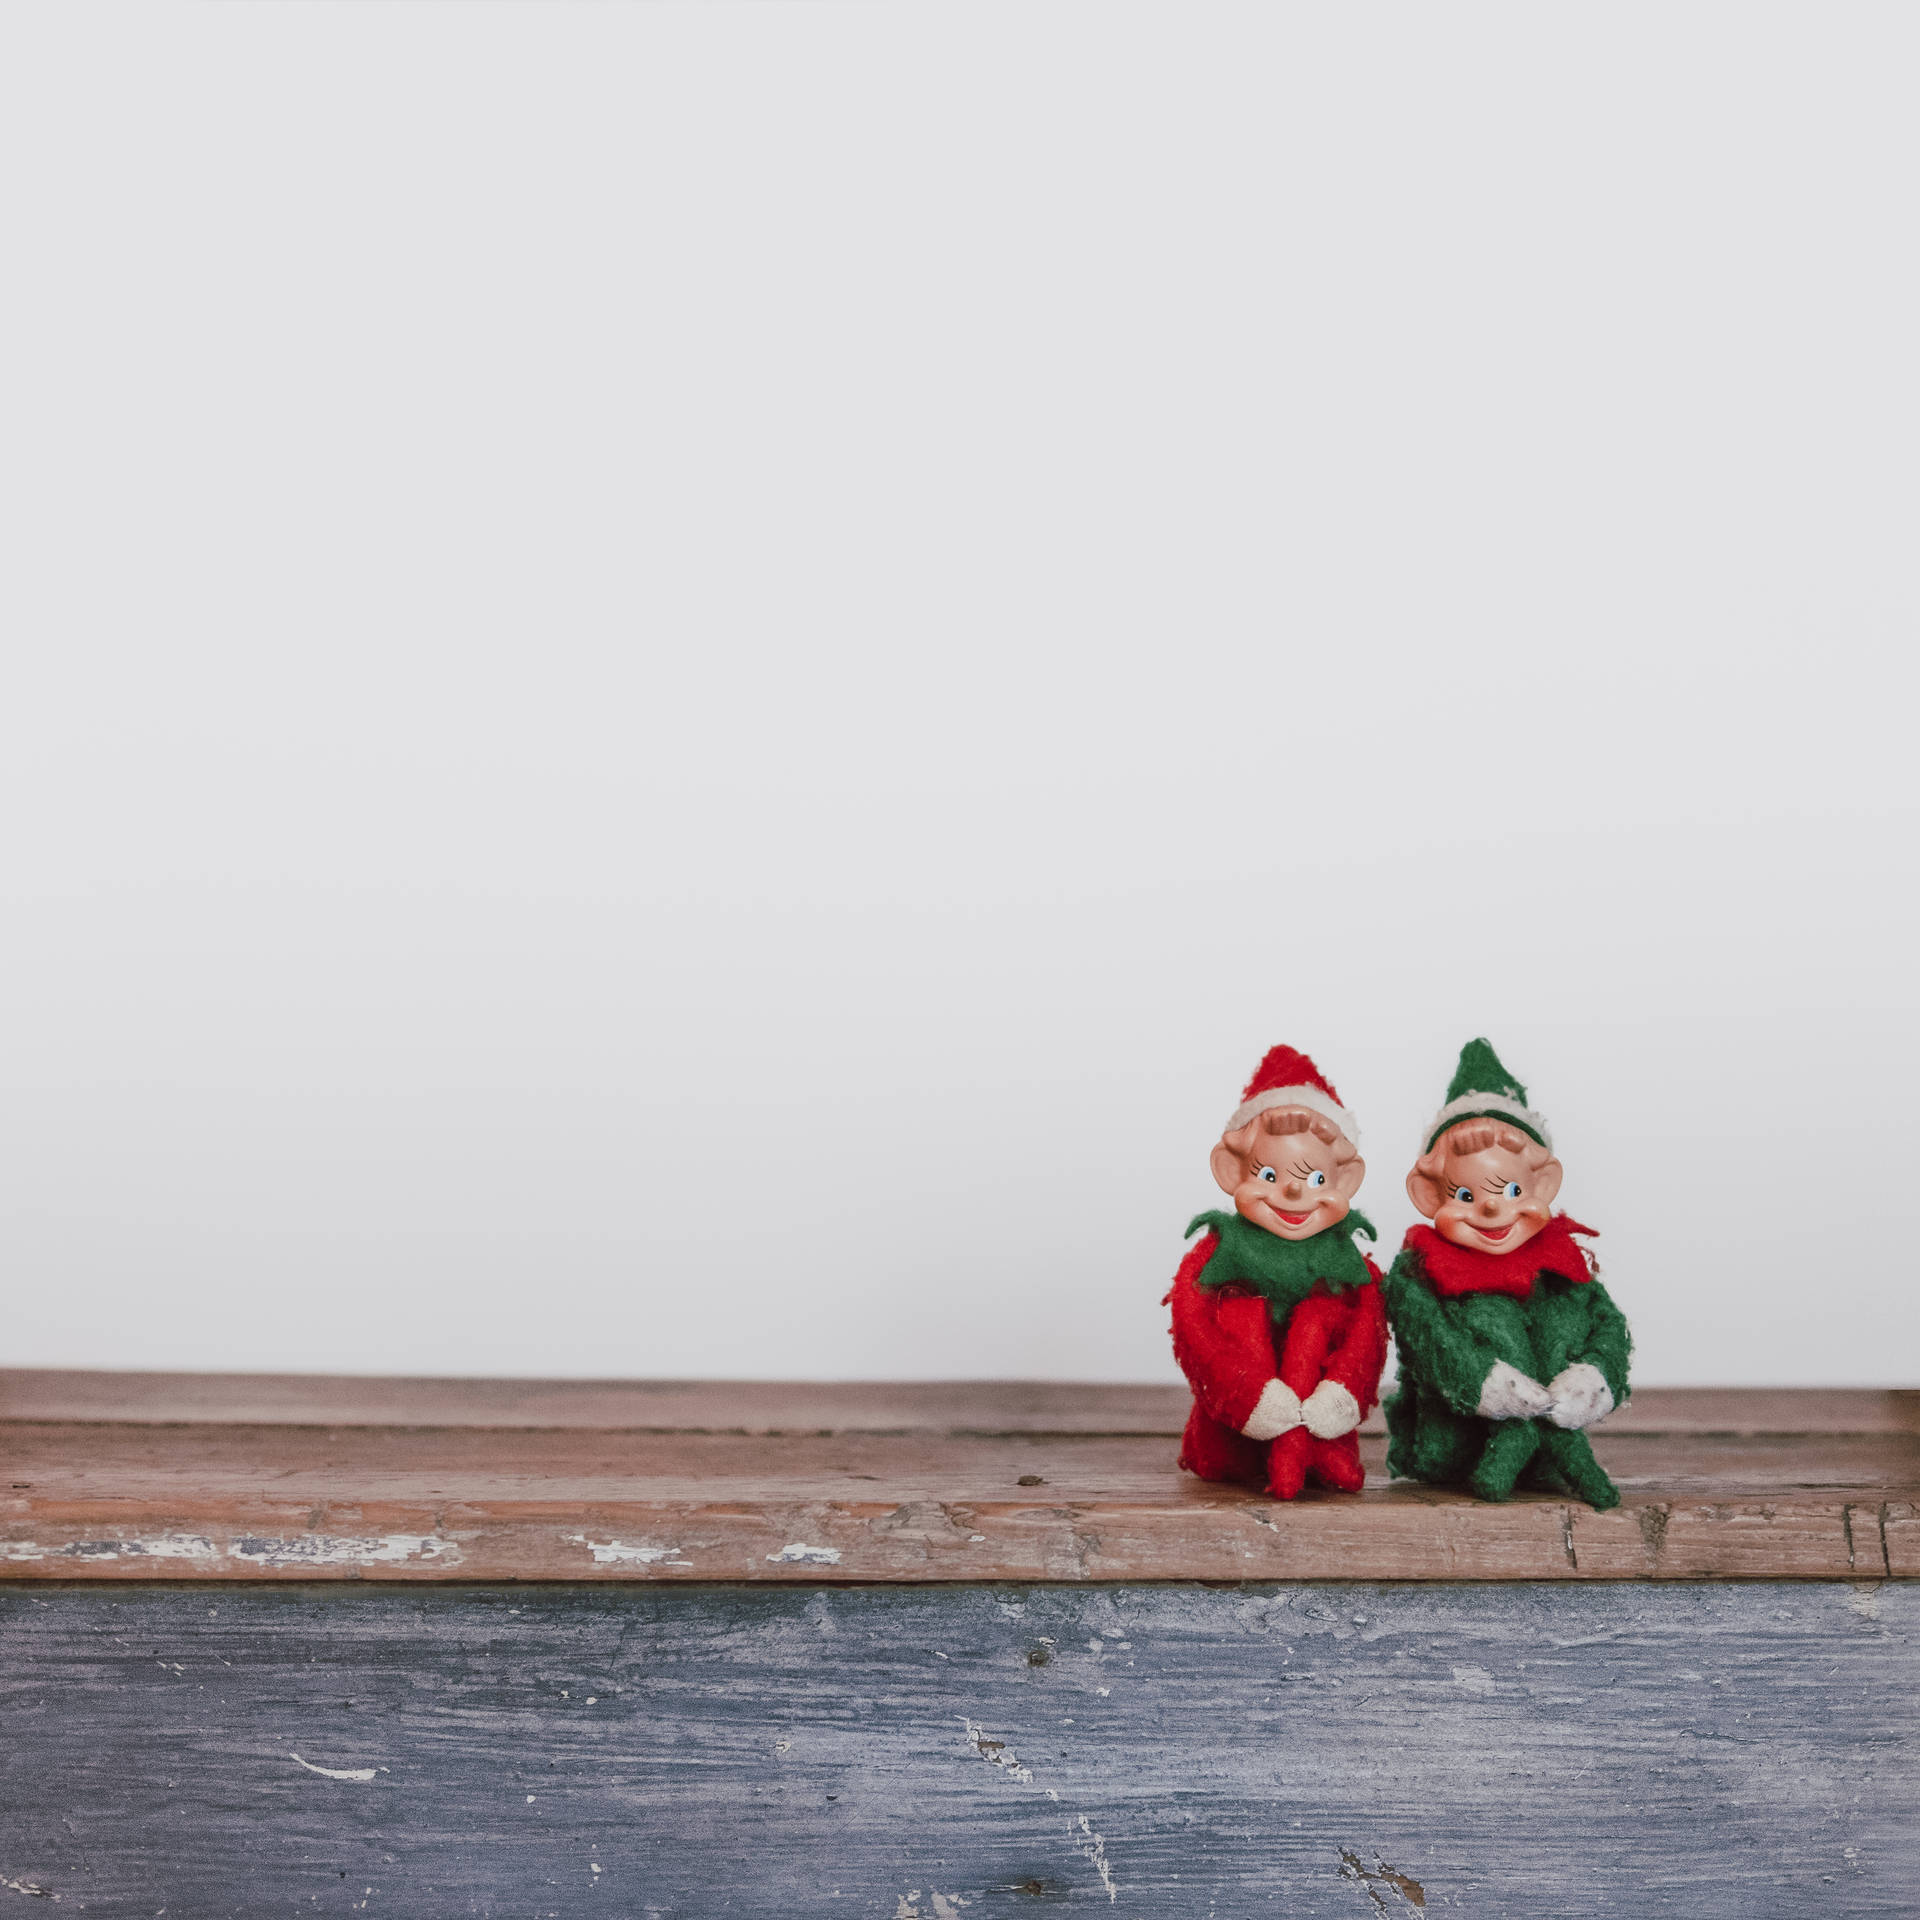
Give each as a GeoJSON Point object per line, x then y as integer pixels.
{"type": "Point", "coordinates": [1277, 1317]}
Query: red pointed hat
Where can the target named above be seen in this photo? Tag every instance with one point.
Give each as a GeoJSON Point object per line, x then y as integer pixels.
{"type": "Point", "coordinates": [1287, 1078]}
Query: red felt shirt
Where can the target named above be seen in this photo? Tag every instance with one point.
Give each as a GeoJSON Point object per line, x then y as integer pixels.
{"type": "Point", "coordinates": [1223, 1340]}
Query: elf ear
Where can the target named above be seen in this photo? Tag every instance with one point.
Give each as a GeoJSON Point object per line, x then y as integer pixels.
{"type": "Point", "coordinates": [1546, 1181]}
{"type": "Point", "coordinates": [1233, 1155]}
{"type": "Point", "coordinates": [1347, 1177]}
{"type": "Point", "coordinates": [1423, 1184]}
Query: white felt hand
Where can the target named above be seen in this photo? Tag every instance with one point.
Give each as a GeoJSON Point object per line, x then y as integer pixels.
{"type": "Point", "coordinates": [1508, 1394]}
{"type": "Point", "coordinates": [1329, 1411]}
{"type": "Point", "coordinates": [1580, 1396]}
{"type": "Point", "coordinates": [1277, 1411]}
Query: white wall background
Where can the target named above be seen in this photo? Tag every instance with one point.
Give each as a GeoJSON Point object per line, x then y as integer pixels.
{"type": "Point", "coordinates": [686, 687]}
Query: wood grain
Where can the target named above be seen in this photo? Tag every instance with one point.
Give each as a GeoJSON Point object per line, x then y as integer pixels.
{"type": "Point", "coordinates": [1731, 1486]}
{"type": "Point", "coordinates": [1332, 1752]}
{"type": "Point", "coordinates": [637, 1406]}
{"type": "Point", "coordinates": [784, 1406]}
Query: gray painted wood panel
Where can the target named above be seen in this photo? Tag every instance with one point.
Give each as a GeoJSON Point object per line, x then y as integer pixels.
{"type": "Point", "coordinates": [1537, 1750]}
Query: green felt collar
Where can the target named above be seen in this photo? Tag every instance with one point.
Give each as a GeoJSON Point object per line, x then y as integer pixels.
{"type": "Point", "coordinates": [1284, 1272]}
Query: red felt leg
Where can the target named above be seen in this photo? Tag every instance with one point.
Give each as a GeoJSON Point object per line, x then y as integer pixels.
{"type": "Point", "coordinates": [1303, 1354]}
{"type": "Point", "coordinates": [1336, 1463]}
{"type": "Point", "coordinates": [1287, 1461]}
{"type": "Point", "coordinates": [1216, 1452]}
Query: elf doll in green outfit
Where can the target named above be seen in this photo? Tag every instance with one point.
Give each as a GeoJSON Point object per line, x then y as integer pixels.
{"type": "Point", "coordinates": [1277, 1317]}
{"type": "Point", "coordinates": [1509, 1347]}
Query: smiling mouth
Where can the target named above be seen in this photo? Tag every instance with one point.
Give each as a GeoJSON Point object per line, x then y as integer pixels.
{"type": "Point", "coordinates": [1494, 1233]}
{"type": "Point", "coordinates": [1294, 1219]}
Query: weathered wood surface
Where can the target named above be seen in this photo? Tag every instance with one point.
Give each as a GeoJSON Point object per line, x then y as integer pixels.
{"type": "Point", "coordinates": [1748, 1750]}
{"type": "Point", "coordinates": [900, 1483]}
{"type": "Point", "coordinates": [629, 1406]}
{"type": "Point", "coordinates": [790, 1406]}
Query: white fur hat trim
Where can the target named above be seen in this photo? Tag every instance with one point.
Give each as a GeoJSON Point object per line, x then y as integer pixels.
{"type": "Point", "coordinates": [1476, 1103]}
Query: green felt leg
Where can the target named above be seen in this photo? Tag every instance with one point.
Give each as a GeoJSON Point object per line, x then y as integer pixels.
{"type": "Point", "coordinates": [1540, 1475]}
{"type": "Point", "coordinates": [1572, 1454]}
{"type": "Point", "coordinates": [1510, 1445]}
{"type": "Point", "coordinates": [1403, 1422]}
{"type": "Point", "coordinates": [1427, 1440]}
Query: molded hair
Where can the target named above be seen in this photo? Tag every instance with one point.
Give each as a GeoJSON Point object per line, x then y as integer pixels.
{"type": "Point", "coordinates": [1278, 1120]}
{"type": "Point", "coordinates": [1476, 1136]}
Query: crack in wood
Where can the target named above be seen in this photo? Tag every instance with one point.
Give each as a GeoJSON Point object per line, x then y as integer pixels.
{"type": "Point", "coordinates": [1867, 1551]}
{"type": "Point", "coordinates": [1372, 1879]}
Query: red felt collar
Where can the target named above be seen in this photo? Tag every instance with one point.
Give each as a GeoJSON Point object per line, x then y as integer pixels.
{"type": "Point", "coordinates": [1453, 1270]}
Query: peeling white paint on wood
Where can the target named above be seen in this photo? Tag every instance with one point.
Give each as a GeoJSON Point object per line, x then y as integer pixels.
{"type": "Point", "coordinates": [798, 1554]}
{"type": "Point", "coordinates": [618, 1553]}
{"type": "Point", "coordinates": [334, 1550]}
{"type": "Point", "coordinates": [1090, 1842]}
{"type": "Point", "coordinates": [250, 1550]}
{"type": "Point", "coordinates": [996, 1753]}
{"type": "Point", "coordinates": [946, 1906]}
{"type": "Point", "coordinates": [165, 1546]}
{"type": "Point", "coordinates": [1095, 1848]}
{"type": "Point", "coordinates": [1380, 1881]}
{"type": "Point", "coordinates": [335, 1773]}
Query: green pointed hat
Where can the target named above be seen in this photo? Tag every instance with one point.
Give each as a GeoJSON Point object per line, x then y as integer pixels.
{"type": "Point", "coordinates": [1482, 1089]}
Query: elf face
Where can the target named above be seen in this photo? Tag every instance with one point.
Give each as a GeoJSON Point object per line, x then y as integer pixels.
{"type": "Point", "coordinates": [1290, 1171]}
{"type": "Point", "coordinates": [1485, 1186]}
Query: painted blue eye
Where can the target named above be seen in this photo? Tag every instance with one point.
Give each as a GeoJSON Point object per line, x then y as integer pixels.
{"type": "Point", "coordinates": [1319, 1179]}
{"type": "Point", "coordinates": [1464, 1195]}
{"type": "Point", "coordinates": [1267, 1174]}
{"type": "Point", "coordinates": [1512, 1189]}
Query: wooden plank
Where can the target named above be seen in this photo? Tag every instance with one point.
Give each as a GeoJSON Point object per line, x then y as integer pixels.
{"type": "Point", "coordinates": [662, 1406]}
{"type": "Point", "coordinates": [1784, 1410]}
{"type": "Point", "coordinates": [960, 1753]}
{"type": "Point", "coordinates": [231, 1502]}
{"type": "Point", "coordinates": [782, 1407]}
